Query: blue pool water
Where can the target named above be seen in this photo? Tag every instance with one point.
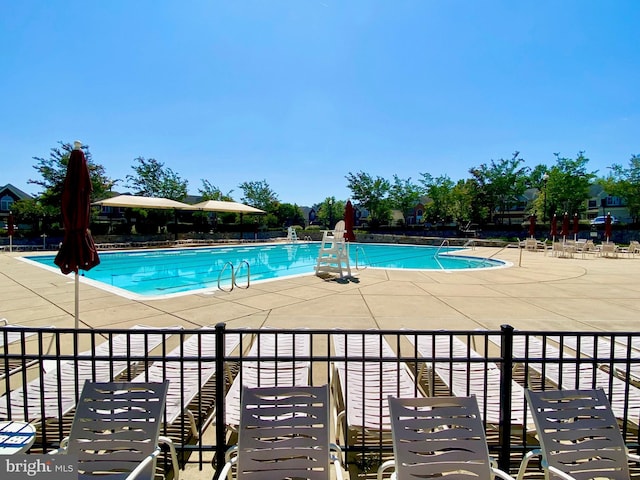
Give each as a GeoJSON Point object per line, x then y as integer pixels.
{"type": "Point", "coordinates": [151, 273]}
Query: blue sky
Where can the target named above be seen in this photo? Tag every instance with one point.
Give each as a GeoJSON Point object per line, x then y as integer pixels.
{"type": "Point", "coordinates": [301, 92]}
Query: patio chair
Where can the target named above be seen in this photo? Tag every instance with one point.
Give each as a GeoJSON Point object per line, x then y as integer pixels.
{"type": "Point", "coordinates": [54, 393]}
{"type": "Point", "coordinates": [284, 433]}
{"type": "Point", "coordinates": [579, 436]}
{"type": "Point", "coordinates": [362, 386]}
{"type": "Point", "coordinates": [15, 334]}
{"type": "Point", "coordinates": [264, 371]}
{"type": "Point", "coordinates": [609, 250]}
{"type": "Point", "coordinates": [188, 378]}
{"type": "Point", "coordinates": [625, 398]}
{"type": "Point", "coordinates": [464, 377]}
{"type": "Point", "coordinates": [116, 431]}
{"type": "Point", "coordinates": [435, 437]}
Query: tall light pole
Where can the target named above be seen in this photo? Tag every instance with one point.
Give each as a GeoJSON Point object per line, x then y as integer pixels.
{"type": "Point", "coordinates": [545, 179]}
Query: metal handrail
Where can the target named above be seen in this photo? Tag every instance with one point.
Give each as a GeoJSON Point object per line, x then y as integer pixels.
{"type": "Point", "coordinates": [444, 242]}
{"type": "Point", "coordinates": [364, 254]}
{"type": "Point", "coordinates": [233, 281]}
{"type": "Point", "coordinates": [243, 262]}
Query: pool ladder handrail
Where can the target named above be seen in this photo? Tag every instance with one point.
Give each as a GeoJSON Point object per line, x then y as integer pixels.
{"type": "Point", "coordinates": [234, 271]}
{"type": "Point", "coordinates": [444, 242]}
{"type": "Point", "coordinates": [364, 254]}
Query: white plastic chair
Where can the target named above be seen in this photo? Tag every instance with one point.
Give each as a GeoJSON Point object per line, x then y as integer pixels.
{"type": "Point", "coordinates": [439, 437]}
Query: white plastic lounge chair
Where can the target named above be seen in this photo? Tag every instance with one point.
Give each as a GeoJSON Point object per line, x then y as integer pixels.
{"type": "Point", "coordinates": [571, 375]}
{"type": "Point", "coordinates": [579, 436]}
{"type": "Point", "coordinates": [284, 433]}
{"type": "Point", "coordinates": [13, 334]}
{"type": "Point", "coordinates": [116, 431]}
{"type": "Point", "coordinates": [362, 387]}
{"type": "Point", "coordinates": [600, 347]}
{"type": "Point", "coordinates": [187, 379]}
{"type": "Point", "coordinates": [438, 437]}
{"type": "Point", "coordinates": [46, 401]}
{"type": "Point", "coordinates": [464, 378]}
{"type": "Point", "coordinates": [269, 373]}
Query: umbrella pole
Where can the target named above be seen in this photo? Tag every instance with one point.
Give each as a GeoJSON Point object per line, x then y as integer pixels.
{"type": "Point", "coordinates": [10, 243]}
{"type": "Point", "coordinates": [77, 300]}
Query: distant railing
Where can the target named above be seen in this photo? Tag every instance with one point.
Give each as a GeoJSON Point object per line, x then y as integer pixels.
{"type": "Point", "coordinates": [494, 365]}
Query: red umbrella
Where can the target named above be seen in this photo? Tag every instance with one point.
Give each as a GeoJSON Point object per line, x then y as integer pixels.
{"type": "Point", "coordinates": [532, 226]}
{"type": "Point", "coordinates": [349, 216]}
{"type": "Point", "coordinates": [607, 227]}
{"type": "Point", "coordinates": [10, 231]}
{"type": "Point", "coordinates": [554, 226]}
{"type": "Point", "coordinates": [77, 250]}
{"type": "Point", "coordinates": [565, 224]}
{"type": "Point", "coordinates": [576, 226]}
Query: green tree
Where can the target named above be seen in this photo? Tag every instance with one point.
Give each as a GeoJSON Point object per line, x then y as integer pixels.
{"type": "Point", "coordinates": [259, 194]}
{"type": "Point", "coordinates": [372, 194]}
{"type": "Point", "coordinates": [462, 202]}
{"type": "Point", "coordinates": [625, 183]}
{"type": "Point", "coordinates": [53, 171]}
{"type": "Point", "coordinates": [330, 211]}
{"type": "Point", "coordinates": [502, 183]}
{"type": "Point", "coordinates": [288, 214]}
{"type": "Point", "coordinates": [439, 190]}
{"type": "Point", "coordinates": [210, 192]}
{"type": "Point", "coordinates": [404, 195]}
{"type": "Point", "coordinates": [567, 188]}
{"type": "Point", "coordinates": [33, 212]}
{"type": "Point", "coordinates": [153, 179]}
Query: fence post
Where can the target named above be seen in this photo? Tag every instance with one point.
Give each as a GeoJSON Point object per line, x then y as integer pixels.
{"type": "Point", "coordinates": [221, 428]}
{"type": "Point", "coordinates": [506, 352]}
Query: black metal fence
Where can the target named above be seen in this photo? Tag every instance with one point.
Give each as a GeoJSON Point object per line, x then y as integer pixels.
{"type": "Point", "coordinates": [42, 371]}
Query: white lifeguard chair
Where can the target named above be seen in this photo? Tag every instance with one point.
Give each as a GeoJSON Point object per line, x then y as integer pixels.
{"type": "Point", "coordinates": [292, 236]}
{"type": "Point", "coordinates": [333, 257]}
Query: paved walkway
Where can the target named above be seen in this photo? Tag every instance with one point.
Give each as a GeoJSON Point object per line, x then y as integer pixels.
{"type": "Point", "coordinates": [537, 292]}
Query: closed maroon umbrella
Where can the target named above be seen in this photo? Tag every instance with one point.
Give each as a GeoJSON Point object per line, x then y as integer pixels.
{"type": "Point", "coordinates": [565, 225]}
{"type": "Point", "coordinates": [77, 250]}
{"type": "Point", "coordinates": [349, 218]}
{"type": "Point", "coordinates": [554, 226]}
{"type": "Point", "coordinates": [532, 226]}
{"type": "Point", "coordinates": [576, 226]}
{"type": "Point", "coordinates": [607, 227]}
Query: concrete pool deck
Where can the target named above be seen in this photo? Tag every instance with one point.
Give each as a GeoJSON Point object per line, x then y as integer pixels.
{"type": "Point", "coordinates": [544, 292]}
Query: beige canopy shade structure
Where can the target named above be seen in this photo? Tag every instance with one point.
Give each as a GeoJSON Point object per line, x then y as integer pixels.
{"type": "Point", "coordinates": [134, 201]}
{"type": "Point", "coordinates": [221, 206]}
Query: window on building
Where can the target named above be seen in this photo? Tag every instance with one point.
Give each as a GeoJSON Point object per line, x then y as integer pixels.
{"type": "Point", "coordinates": [5, 203]}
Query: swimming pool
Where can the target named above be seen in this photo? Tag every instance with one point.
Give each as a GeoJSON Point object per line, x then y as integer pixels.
{"type": "Point", "coordinates": [147, 274]}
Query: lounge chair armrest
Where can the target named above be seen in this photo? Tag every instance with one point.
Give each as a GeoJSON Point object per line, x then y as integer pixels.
{"type": "Point", "coordinates": [502, 474]}
{"type": "Point", "coordinates": [337, 452]}
{"type": "Point", "coordinates": [226, 470]}
{"type": "Point", "coordinates": [174, 456]}
{"type": "Point", "coordinates": [62, 449]}
{"type": "Point", "coordinates": [388, 465]}
{"type": "Point", "coordinates": [525, 461]}
{"type": "Point", "coordinates": [143, 465]}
